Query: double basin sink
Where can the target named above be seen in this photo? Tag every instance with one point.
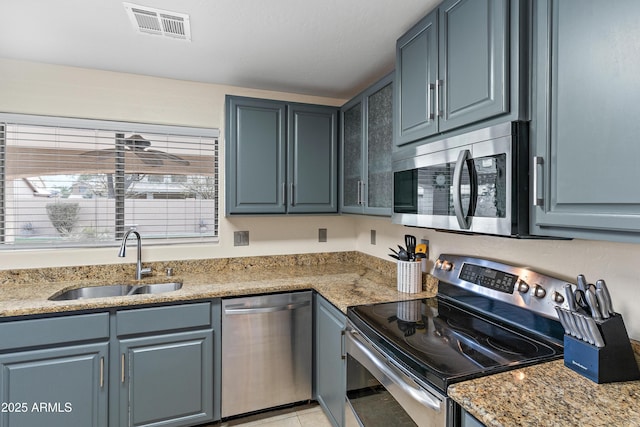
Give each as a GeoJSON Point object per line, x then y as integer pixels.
{"type": "Point", "coordinates": [115, 291]}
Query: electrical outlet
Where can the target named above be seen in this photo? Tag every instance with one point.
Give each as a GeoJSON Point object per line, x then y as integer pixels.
{"type": "Point", "coordinates": [240, 238]}
{"type": "Point", "coordinates": [322, 234]}
{"type": "Point", "coordinates": [373, 237]}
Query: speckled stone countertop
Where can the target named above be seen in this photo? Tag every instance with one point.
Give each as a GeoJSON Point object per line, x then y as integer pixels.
{"type": "Point", "coordinates": [344, 278]}
{"type": "Point", "coordinates": [549, 394]}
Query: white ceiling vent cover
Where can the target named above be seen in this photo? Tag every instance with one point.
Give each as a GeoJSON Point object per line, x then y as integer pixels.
{"type": "Point", "coordinates": [148, 20]}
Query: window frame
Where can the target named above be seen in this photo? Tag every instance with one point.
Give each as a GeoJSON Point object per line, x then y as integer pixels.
{"type": "Point", "coordinates": [119, 127]}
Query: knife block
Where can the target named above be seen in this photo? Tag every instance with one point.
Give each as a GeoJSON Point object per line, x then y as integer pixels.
{"type": "Point", "coordinates": [614, 362]}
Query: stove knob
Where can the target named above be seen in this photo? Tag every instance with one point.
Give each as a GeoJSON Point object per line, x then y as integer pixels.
{"type": "Point", "coordinates": [447, 266]}
{"type": "Point", "coordinates": [523, 287]}
{"type": "Point", "coordinates": [438, 263]}
{"type": "Point", "coordinates": [538, 291]}
{"type": "Point", "coordinates": [558, 298]}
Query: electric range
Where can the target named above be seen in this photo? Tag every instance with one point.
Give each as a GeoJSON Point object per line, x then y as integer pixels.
{"type": "Point", "coordinates": [487, 317]}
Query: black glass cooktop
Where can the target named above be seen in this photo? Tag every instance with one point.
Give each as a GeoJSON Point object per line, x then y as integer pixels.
{"type": "Point", "coordinates": [444, 343]}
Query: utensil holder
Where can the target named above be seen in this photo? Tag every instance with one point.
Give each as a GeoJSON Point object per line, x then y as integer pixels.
{"type": "Point", "coordinates": [614, 362]}
{"type": "Point", "coordinates": [409, 276]}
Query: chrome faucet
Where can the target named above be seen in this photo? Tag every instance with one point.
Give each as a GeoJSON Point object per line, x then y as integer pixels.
{"type": "Point", "coordinates": [123, 247]}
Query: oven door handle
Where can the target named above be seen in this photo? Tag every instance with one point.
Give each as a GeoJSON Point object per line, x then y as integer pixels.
{"type": "Point", "coordinates": [401, 380]}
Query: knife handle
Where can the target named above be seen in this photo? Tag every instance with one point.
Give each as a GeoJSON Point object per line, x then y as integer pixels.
{"type": "Point", "coordinates": [571, 299]}
{"type": "Point", "coordinates": [600, 284]}
{"type": "Point", "coordinates": [592, 301]}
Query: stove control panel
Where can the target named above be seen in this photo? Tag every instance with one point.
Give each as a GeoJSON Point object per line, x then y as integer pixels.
{"type": "Point", "coordinates": [508, 283]}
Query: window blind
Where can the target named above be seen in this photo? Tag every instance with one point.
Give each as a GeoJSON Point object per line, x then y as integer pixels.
{"type": "Point", "coordinates": [68, 182]}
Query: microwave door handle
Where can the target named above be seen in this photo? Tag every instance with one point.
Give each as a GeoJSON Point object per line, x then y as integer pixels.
{"type": "Point", "coordinates": [463, 221]}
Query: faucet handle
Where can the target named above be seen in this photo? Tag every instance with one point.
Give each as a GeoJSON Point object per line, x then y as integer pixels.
{"type": "Point", "coordinates": [145, 271]}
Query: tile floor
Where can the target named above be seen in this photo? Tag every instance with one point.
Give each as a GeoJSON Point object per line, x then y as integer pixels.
{"type": "Point", "coordinates": [299, 416]}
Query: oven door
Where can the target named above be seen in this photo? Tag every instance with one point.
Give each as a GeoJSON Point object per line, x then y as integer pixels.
{"type": "Point", "coordinates": [379, 393]}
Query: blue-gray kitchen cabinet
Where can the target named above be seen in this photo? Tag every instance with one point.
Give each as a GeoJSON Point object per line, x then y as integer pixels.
{"type": "Point", "coordinates": [462, 64]}
{"type": "Point", "coordinates": [280, 157]}
{"type": "Point", "coordinates": [366, 146]}
{"type": "Point", "coordinates": [53, 371]}
{"type": "Point", "coordinates": [330, 370]}
{"type": "Point", "coordinates": [164, 370]}
{"type": "Point", "coordinates": [585, 125]}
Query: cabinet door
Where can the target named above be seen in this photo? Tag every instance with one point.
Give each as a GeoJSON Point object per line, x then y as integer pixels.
{"type": "Point", "coordinates": [352, 156]}
{"type": "Point", "coordinates": [312, 159]}
{"type": "Point", "coordinates": [330, 365]}
{"type": "Point", "coordinates": [473, 79]}
{"type": "Point", "coordinates": [586, 123]}
{"type": "Point", "coordinates": [166, 380]}
{"type": "Point", "coordinates": [57, 387]}
{"type": "Point", "coordinates": [255, 156]}
{"type": "Point", "coordinates": [379, 143]}
{"type": "Point", "coordinates": [416, 71]}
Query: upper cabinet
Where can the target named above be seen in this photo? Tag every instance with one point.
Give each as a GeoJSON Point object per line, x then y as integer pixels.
{"type": "Point", "coordinates": [585, 126]}
{"type": "Point", "coordinates": [367, 135]}
{"type": "Point", "coordinates": [461, 64]}
{"type": "Point", "coordinates": [280, 157]}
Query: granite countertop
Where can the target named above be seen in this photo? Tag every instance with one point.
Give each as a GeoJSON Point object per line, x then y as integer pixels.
{"type": "Point", "coordinates": [549, 394]}
{"type": "Point", "coordinates": [346, 278]}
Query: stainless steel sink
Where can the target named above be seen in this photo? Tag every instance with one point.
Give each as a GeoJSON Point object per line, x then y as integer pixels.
{"type": "Point", "coordinates": [115, 291]}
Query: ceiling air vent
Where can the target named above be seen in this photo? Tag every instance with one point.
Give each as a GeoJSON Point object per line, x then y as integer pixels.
{"type": "Point", "coordinates": [148, 20]}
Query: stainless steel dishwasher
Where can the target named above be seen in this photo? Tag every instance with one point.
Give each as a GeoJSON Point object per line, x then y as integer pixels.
{"type": "Point", "coordinates": [266, 351]}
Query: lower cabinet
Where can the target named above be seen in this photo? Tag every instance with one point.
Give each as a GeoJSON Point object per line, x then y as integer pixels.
{"type": "Point", "coordinates": [166, 379]}
{"type": "Point", "coordinates": [54, 387]}
{"type": "Point", "coordinates": [164, 366]}
{"type": "Point", "coordinates": [330, 368]}
{"type": "Point", "coordinates": [62, 384]}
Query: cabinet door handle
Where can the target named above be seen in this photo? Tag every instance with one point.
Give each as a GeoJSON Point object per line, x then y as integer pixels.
{"type": "Point", "coordinates": [293, 203]}
{"type": "Point", "coordinates": [343, 350]}
{"type": "Point", "coordinates": [430, 106]}
{"type": "Point", "coordinates": [439, 84]}
{"type": "Point", "coordinates": [538, 162]}
{"type": "Point", "coordinates": [102, 372]}
{"type": "Point", "coordinates": [362, 192]}
{"type": "Point", "coordinates": [284, 193]}
{"type": "Point", "coordinates": [122, 370]}
{"type": "Point", "coordinates": [359, 196]}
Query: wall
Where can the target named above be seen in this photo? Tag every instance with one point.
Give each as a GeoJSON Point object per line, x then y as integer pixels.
{"type": "Point", "coordinates": [617, 263]}
{"type": "Point", "coordinates": [34, 88]}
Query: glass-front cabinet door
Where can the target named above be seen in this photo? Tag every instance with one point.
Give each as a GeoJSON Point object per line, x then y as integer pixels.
{"type": "Point", "coordinates": [379, 146]}
{"type": "Point", "coordinates": [367, 138]}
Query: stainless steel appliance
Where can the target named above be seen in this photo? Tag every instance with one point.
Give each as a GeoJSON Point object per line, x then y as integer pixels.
{"type": "Point", "coordinates": [487, 317]}
{"type": "Point", "coordinates": [476, 182]}
{"type": "Point", "coordinates": [267, 355]}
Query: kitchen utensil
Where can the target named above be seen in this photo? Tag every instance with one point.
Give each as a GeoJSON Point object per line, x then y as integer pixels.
{"type": "Point", "coordinates": [571, 301]}
{"type": "Point", "coordinates": [563, 321]}
{"type": "Point", "coordinates": [394, 251]}
{"type": "Point", "coordinates": [582, 282]}
{"type": "Point", "coordinates": [403, 255]}
{"type": "Point", "coordinates": [584, 327]}
{"type": "Point", "coordinates": [600, 284]}
{"type": "Point", "coordinates": [394, 256]}
{"type": "Point", "coordinates": [602, 303]}
{"type": "Point", "coordinates": [410, 243]}
{"type": "Point", "coordinates": [421, 248]}
{"type": "Point", "coordinates": [592, 301]}
{"type": "Point", "coordinates": [581, 302]}
{"type": "Point", "coordinates": [595, 332]}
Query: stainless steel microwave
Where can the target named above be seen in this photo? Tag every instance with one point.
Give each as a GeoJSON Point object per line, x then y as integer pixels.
{"type": "Point", "coordinates": [476, 182]}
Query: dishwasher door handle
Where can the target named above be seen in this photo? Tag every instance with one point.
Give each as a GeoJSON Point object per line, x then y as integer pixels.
{"type": "Point", "coordinates": [241, 309]}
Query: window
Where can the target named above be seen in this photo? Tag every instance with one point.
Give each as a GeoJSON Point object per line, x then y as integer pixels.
{"type": "Point", "coordinates": [70, 182]}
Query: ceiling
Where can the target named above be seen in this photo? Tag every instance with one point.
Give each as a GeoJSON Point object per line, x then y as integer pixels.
{"type": "Point", "coordinates": [332, 48]}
